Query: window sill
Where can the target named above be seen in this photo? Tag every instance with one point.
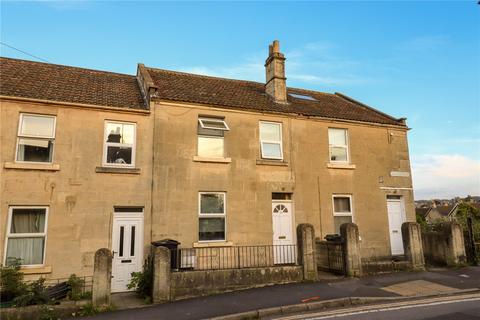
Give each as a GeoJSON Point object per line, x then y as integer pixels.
{"type": "Point", "coordinates": [36, 270]}
{"type": "Point", "coordinates": [207, 244]}
{"type": "Point", "coordinates": [31, 166]}
{"type": "Point", "coordinates": [264, 162]}
{"type": "Point", "coordinates": [215, 160]}
{"type": "Point", "coordinates": [341, 166]}
{"type": "Point", "coordinates": [117, 170]}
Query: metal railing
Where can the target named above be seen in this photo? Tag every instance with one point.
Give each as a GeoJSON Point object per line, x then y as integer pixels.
{"type": "Point", "coordinates": [330, 256]}
{"type": "Point", "coordinates": [472, 242]}
{"type": "Point", "coordinates": [235, 257]}
{"type": "Point", "coordinates": [87, 282]}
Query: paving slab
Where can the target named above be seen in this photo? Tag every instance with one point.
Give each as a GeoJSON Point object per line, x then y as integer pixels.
{"type": "Point", "coordinates": [418, 287]}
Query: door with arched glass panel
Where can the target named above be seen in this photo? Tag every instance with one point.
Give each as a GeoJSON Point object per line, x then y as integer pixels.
{"type": "Point", "coordinates": [283, 240]}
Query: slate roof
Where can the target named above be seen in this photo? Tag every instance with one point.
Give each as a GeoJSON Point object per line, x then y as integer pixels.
{"type": "Point", "coordinates": [423, 211]}
{"type": "Point", "coordinates": [249, 95]}
{"type": "Point", "coordinates": [28, 79]}
{"type": "Point", "coordinates": [445, 210]}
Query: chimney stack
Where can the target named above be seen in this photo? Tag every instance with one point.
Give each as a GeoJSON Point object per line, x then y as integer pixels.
{"type": "Point", "coordinates": [276, 86]}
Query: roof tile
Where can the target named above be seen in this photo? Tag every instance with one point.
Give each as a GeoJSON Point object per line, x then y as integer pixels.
{"type": "Point", "coordinates": [249, 95]}
{"type": "Point", "coordinates": [44, 81]}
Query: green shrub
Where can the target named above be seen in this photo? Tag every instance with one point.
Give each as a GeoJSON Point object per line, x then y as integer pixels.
{"type": "Point", "coordinates": [36, 294]}
{"type": "Point", "coordinates": [11, 281]}
{"type": "Point", "coordinates": [90, 310]}
{"type": "Point", "coordinates": [47, 313]}
{"type": "Point", "coordinates": [76, 287]}
{"type": "Point", "coordinates": [142, 281]}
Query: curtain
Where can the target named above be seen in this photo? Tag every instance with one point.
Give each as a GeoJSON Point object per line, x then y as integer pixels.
{"type": "Point", "coordinates": [28, 221]}
{"type": "Point", "coordinates": [29, 250]}
{"type": "Point", "coordinates": [341, 204]}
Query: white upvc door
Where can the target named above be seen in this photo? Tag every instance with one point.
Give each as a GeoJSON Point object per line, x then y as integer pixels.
{"type": "Point", "coordinates": [127, 244]}
{"type": "Point", "coordinates": [282, 223]}
{"type": "Point", "coordinates": [396, 217]}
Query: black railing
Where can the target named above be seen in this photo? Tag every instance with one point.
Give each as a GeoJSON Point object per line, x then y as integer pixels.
{"type": "Point", "coordinates": [58, 287]}
{"type": "Point", "coordinates": [330, 256]}
{"type": "Point", "coordinates": [472, 242]}
{"type": "Point", "coordinates": [235, 257]}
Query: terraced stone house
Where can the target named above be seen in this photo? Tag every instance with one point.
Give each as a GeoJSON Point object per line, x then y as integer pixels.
{"type": "Point", "coordinates": [93, 159]}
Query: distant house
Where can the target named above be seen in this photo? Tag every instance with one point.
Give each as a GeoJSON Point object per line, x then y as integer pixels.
{"type": "Point", "coordinates": [423, 211]}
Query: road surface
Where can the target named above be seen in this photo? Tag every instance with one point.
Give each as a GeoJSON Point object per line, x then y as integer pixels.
{"type": "Point", "coordinates": [451, 308]}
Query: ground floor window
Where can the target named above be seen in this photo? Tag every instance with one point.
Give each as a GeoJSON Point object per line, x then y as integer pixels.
{"type": "Point", "coordinates": [212, 213]}
{"type": "Point", "coordinates": [26, 235]}
{"type": "Point", "coordinates": [342, 211]}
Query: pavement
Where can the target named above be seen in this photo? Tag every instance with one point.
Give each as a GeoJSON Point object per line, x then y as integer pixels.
{"type": "Point", "coordinates": [385, 286]}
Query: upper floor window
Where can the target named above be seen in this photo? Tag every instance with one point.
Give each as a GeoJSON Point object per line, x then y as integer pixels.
{"type": "Point", "coordinates": [26, 235]}
{"type": "Point", "coordinates": [342, 211]}
{"type": "Point", "coordinates": [212, 212]}
{"type": "Point", "coordinates": [119, 146]}
{"type": "Point", "coordinates": [338, 145]}
{"type": "Point", "coordinates": [36, 137]}
{"type": "Point", "coordinates": [271, 140]}
{"type": "Point", "coordinates": [211, 137]}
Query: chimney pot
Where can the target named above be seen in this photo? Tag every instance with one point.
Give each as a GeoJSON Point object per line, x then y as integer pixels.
{"type": "Point", "coordinates": [276, 46]}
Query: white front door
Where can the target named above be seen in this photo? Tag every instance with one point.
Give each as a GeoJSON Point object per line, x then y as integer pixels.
{"type": "Point", "coordinates": [127, 244]}
{"type": "Point", "coordinates": [396, 217]}
{"type": "Point", "coordinates": [283, 250]}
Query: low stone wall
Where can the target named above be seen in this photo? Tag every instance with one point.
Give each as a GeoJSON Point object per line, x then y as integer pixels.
{"type": "Point", "coordinates": [435, 247]}
{"type": "Point", "coordinates": [187, 284]}
{"type": "Point", "coordinates": [37, 312]}
{"type": "Point", "coordinates": [444, 246]}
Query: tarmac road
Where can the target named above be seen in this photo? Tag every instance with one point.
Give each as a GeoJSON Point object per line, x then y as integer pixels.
{"type": "Point", "coordinates": [452, 308]}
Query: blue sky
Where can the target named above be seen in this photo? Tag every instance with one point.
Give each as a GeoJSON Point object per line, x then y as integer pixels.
{"type": "Point", "coordinates": [419, 60]}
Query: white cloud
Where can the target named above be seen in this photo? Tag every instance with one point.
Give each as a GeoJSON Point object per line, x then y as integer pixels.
{"type": "Point", "coordinates": [445, 176]}
{"type": "Point", "coordinates": [315, 63]}
{"type": "Point", "coordinates": [247, 70]}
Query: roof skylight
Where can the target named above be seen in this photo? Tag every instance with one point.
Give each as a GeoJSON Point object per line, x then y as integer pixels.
{"type": "Point", "coordinates": [302, 96]}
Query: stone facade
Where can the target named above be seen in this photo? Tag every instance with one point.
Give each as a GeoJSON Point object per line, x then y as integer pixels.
{"type": "Point", "coordinates": [249, 181]}
{"type": "Point", "coordinates": [81, 200]}
{"type": "Point", "coordinates": [82, 194]}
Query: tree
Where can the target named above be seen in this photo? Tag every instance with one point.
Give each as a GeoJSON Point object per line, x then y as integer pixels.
{"type": "Point", "coordinates": [466, 210]}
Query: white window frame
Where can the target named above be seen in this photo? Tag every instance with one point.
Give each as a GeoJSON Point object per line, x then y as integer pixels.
{"type": "Point", "coordinates": [342, 214]}
{"type": "Point", "coordinates": [115, 144]}
{"type": "Point", "coordinates": [271, 141]}
{"type": "Point", "coordinates": [218, 120]}
{"type": "Point", "coordinates": [204, 126]}
{"type": "Point", "coordinates": [23, 136]}
{"type": "Point", "coordinates": [212, 215]}
{"type": "Point", "coordinates": [26, 235]}
{"type": "Point", "coordinates": [345, 146]}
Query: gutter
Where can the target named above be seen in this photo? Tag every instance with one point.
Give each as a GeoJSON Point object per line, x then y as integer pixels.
{"type": "Point", "coordinates": [77, 105]}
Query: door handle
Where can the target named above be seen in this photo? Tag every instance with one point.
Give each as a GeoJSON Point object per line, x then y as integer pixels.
{"type": "Point", "coordinates": [113, 253]}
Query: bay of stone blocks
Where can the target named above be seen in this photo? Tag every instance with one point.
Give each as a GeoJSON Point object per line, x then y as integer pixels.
{"type": "Point", "coordinates": [102, 277]}
{"type": "Point", "coordinates": [351, 248]}
{"type": "Point", "coordinates": [161, 275]}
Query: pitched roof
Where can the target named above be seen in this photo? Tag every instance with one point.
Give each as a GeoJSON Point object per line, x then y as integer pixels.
{"type": "Point", "coordinates": [249, 95]}
{"type": "Point", "coordinates": [444, 211]}
{"type": "Point", "coordinates": [423, 211]}
{"type": "Point", "coordinates": [44, 81]}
